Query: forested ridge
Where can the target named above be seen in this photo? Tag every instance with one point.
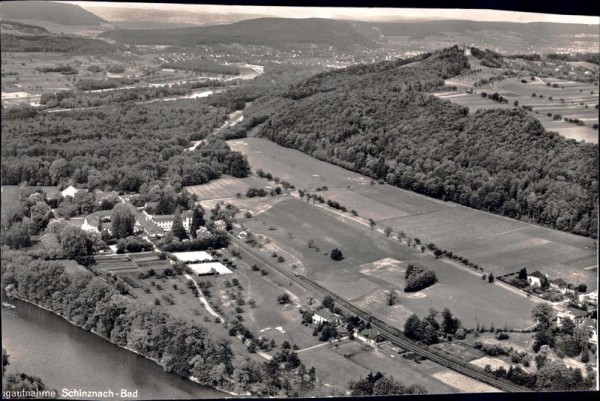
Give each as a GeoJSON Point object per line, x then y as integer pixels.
{"type": "Point", "coordinates": [118, 147]}
{"type": "Point", "coordinates": [381, 121]}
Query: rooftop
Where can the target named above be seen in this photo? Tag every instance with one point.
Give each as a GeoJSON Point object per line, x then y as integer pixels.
{"type": "Point", "coordinates": [198, 256]}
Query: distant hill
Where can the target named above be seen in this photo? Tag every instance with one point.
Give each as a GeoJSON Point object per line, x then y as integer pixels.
{"type": "Point", "coordinates": [21, 29]}
{"type": "Point", "coordinates": [422, 29]}
{"type": "Point", "coordinates": [274, 32]}
{"type": "Point", "coordinates": [20, 37]}
{"type": "Point", "coordinates": [60, 13]}
{"type": "Point", "coordinates": [123, 17]}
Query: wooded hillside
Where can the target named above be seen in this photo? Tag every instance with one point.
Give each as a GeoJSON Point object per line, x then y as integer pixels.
{"type": "Point", "coordinates": [379, 120]}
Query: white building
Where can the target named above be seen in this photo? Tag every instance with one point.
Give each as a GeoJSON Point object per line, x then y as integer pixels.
{"type": "Point", "coordinates": [166, 221]}
{"type": "Point", "coordinates": [193, 257]}
{"type": "Point", "coordinates": [535, 279]}
{"type": "Point", "coordinates": [69, 191]}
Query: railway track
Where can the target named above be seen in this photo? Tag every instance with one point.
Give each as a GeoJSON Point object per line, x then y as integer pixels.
{"type": "Point", "coordinates": [386, 331]}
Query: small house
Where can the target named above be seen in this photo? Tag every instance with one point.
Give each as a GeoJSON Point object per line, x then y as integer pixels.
{"type": "Point", "coordinates": [367, 335]}
{"type": "Point", "coordinates": [324, 315]}
{"type": "Point", "coordinates": [69, 191]}
{"type": "Point", "coordinates": [535, 279]}
{"type": "Point", "coordinates": [591, 297]}
{"type": "Point", "coordinates": [576, 315]}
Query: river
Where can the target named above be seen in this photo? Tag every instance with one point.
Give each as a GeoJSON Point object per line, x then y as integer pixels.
{"type": "Point", "coordinates": [67, 357]}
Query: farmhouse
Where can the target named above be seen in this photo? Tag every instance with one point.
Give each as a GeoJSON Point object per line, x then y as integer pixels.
{"type": "Point", "coordinates": [561, 286]}
{"type": "Point", "coordinates": [91, 221]}
{"type": "Point", "coordinates": [368, 336]}
{"type": "Point", "coordinates": [591, 297]}
{"type": "Point", "coordinates": [535, 278]}
{"type": "Point", "coordinates": [576, 315]}
{"type": "Point", "coordinates": [324, 315]}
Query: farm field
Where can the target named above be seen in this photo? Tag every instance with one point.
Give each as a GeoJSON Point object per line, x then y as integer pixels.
{"type": "Point", "coordinates": [294, 166]}
{"type": "Point", "coordinates": [33, 81]}
{"type": "Point", "coordinates": [569, 100]}
{"type": "Point", "coordinates": [226, 187]}
{"type": "Point", "coordinates": [367, 284]}
{"type": "Point", "coordinates": [389, 362]}
{"type": "Point", "coordinates": [503, 245]}
{"type": "Point", "coordinates": [499, 244]}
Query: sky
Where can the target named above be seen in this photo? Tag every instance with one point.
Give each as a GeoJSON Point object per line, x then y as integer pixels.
{"type": "Point", "coordinates": [357, 13]}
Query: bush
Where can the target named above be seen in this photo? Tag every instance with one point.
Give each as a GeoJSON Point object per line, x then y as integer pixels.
{"type": "Point", "coordinates": [254, 192]}
{"type": "Point", "coordinates": [420, 280]}
{"type": "Point", "coordinates": [336, 254]}
{"type": "Point", "coordinates": [283, 299]}
{"type": "Point", "coordinates": [502, 336]}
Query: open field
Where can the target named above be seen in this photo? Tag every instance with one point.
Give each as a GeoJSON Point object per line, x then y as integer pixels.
{"type": "Point", "coordinates": [294, 166]}
{"type": "Point", "coordinates": [569, 100]}
{"type": "Point", "coordinates": [10, 196]}
{"type": "Point", "coordinates": [226, 187]}
{"type": "Point", "coordinates": [35, 82]}
{"type": "Point", "coordinates": [499, 244]}
{"type": "Point", "coordinates": [389, 362]}
{"type": "Point", "coordinates": [357, 278]}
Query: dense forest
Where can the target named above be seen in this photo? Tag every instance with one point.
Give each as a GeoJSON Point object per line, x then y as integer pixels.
{"type": "Point", "coordinates": [179, 346]}
{"type": "Point", "coordinates": [381, 121]}
{"type": "Point", "coordinates": [117, 147]}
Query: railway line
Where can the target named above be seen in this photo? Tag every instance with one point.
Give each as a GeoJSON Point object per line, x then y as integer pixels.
{"type": "Point", "coordinates": [386, 331]}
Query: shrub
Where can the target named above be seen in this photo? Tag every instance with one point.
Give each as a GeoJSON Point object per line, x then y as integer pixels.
{"type": "Point", "coordinates": [336, 254]}
{"type": "Point", "coordinates": [502, 336]}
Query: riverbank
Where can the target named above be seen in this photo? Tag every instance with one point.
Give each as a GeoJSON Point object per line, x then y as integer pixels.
{"type": "Point", "coordinates": [186, 391]}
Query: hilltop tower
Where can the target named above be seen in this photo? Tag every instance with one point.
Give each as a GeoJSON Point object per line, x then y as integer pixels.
{"type": "Point", "coordinates": [466, 50]}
